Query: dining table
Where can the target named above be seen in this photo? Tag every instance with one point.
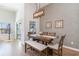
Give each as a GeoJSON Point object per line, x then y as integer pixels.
{"type": "Point", "coordinates": [44, 38]}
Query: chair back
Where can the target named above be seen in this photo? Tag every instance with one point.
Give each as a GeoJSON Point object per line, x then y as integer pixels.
{"type": "Point", "coordinates": [52, 34]}
{"type": "Point", "coordinates": [44, 33]}
{"type": "Point", "coordinates": [61, 43]}
{"type": "Point", "coordinates": [46, 40]}
{"type": "Point", "coordinates": [29, 33]}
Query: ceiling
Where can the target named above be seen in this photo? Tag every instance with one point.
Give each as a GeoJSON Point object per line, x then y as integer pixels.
{"type": "Point", "coordinates": [15, 6]}
{"type": "Point", "coordinates": [43, 4]}
{"type": "Point", "coordinates": [10, 6]}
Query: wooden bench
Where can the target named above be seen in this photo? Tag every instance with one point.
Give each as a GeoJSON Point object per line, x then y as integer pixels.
{"type": "Point", "coordinates": [37, 46]}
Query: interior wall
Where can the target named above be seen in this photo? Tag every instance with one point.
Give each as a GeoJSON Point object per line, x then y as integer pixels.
{"type": "Point", "coordinates": [70, 14]}
{"type": "Point", "coordinates": [24, 16]}
{"type": "Point", "coordinates": [29, 9]}
{"type": "Point", "coordinates": [7, 17]}
{"type": "Point", "coordinates": [20, 19]}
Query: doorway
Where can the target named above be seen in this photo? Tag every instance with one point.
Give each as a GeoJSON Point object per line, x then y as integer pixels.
{"type": "Point", "coordinates": [18, 31]}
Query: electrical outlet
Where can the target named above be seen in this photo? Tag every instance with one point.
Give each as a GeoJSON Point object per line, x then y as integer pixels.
{"type": "Point", "coordinates": [72, 43]}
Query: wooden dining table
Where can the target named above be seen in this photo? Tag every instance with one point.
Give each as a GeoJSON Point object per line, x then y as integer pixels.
{"type": "Point", "coordinates": [44, 38]}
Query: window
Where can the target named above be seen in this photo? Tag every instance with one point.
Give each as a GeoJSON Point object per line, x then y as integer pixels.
{"type": "Point", "coordinates": [4, 28]}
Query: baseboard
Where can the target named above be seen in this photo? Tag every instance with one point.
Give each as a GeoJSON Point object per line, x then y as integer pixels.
{"type": "Point", "coordinates": [71, 48]}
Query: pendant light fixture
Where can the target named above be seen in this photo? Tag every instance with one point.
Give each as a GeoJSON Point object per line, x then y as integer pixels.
{"type": "Point", "coordinates": [39, 12]}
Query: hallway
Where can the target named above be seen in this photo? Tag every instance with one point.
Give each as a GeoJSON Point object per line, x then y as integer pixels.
{"type": "Point", "coordinates": [10, 49]}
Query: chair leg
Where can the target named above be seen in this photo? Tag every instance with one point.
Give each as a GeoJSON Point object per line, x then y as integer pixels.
{"type": "Point", "coordinates": [46, 52]}
{"type": "Point", "coordinates": [45, 43]}
{"type": "Point", "coordinates": [40, 54]}
{"type": "Point", "coordinates": [37, 40]}
{"type": "Point", "coordinates": [61, 52]}
{"type": "Point", "coordinates": [58, 53]}
{"type": "Point", "coordinates": [42, 42]}
{"type": "Point", "coordinates": [52, 52]}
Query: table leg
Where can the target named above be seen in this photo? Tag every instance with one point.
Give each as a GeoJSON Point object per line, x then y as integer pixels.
{"type": "Point", "coordinates": [47, 52]}
{"type": "Point", "coordinates": [45, 43]}
{"type": "Point", "coordinates": [25, 47]}
{"type": "Point", "coordinates": [42, 42]}
{"type": "Point", "coordinates": [52, 52]}
{"type": "Point", "coordinates": [37, 40]}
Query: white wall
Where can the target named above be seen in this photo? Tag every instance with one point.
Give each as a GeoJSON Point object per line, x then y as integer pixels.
{"type": "Point", "coordinates": [43, 4]}
{"type": "Point", "coordinates": [28, 14]}
{"type": "Point", "coordinates": [20, 12]}
{"type": "Point", "coordinates": [70, 14]}
{"type": "Point", "coordinates": [20, 19]}
{"type": "Point", "coordinates": [24, 15]}
{"type": "Point", "coordinates": [8, 17]}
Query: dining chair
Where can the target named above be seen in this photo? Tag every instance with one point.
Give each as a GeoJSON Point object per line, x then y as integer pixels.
{"type": "Point", "coordinates": [57, 48]}
{"type": "Point", "coordinates": [29, 33]}
{"type": "Point", "coordinates": [51, 33]}
{"type": "Point", "coordinates": [44, 33]}
{"type": "Point", "coordinates": [44, 40]}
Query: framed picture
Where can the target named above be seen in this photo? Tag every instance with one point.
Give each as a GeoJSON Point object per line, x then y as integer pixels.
{"type": "Point", "coordinates": [48, 25]}
{"type": "Point", "coordinates": [59, 24]}
{"type": "Point", "coordinates": [32, 26]}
